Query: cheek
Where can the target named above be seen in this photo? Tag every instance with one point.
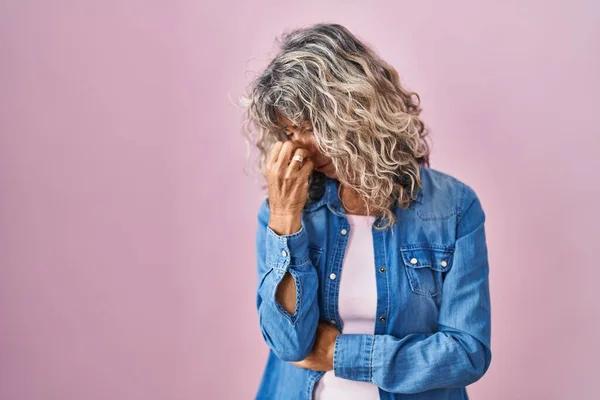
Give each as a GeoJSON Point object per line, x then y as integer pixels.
{"type": "Point", "coordinates": [308, 143]}
{"type": "Point", "coordinates": [314, 148]}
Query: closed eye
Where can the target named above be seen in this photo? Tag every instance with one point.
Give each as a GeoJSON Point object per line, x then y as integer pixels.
{"type": "Point", "coordinates": [302, 131]}
{"type": "Point", "coordinates": [282, 132]}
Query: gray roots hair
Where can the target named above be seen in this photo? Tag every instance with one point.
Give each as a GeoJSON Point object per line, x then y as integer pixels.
{"type": "Point", "coordinates": [325, 79]}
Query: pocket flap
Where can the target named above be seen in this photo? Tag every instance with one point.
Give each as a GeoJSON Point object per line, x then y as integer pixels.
{"type": "Point", "coordinates": [420, 257]}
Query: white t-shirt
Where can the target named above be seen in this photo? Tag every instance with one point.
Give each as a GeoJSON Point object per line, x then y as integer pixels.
{"type": "Point", "coordinates": [357, 305]}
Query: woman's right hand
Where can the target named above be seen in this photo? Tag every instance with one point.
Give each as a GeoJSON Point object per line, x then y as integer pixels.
{"type": "Point", "coordinates": [287, 182]}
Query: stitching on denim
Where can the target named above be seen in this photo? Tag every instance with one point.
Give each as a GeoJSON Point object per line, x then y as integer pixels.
{"type": "Point", "coordinates": [277, 305]}
{"type": "Point", "coordinates": [296, 314]}
{"type": "Point", "coordinates": [284, 312]}
{"type": "Point", "coordinates": [298, 262]}
{"type": "Point", "coordinates": [311, 380]}
{"type": "Point", "coordinates": [336, 352]}
{"type": "Point", "coordinates": [434, 252]}
{"type": "Point", "coordinates": [264, 277]}
{"type": "Point", "coordinates": [315, 206]}
{"type": "Point", "coordinates": [433, 217]}
{"type": "Point", "coordinates": [387, 281]}
{"type": "Point", "coordinates": [455, 211]}
{"type": "Point", "coordinates": [285, 238]}
{"type": "Point", "coordinates": [372, 344]}
{"type": "Point", "coordinates": [337, 259]}
{"type": "Point", "coordinates": [427, 246]}
{"type": "Point", "coordinates": [414, 282]}
{"type": "Point", "coordinates": [461, 203]}
{"type": "Point", "coordinates": [411, 281]}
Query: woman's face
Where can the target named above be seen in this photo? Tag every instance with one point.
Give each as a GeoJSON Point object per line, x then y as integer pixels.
{"type": "Point", "coordinates": [306, 139]}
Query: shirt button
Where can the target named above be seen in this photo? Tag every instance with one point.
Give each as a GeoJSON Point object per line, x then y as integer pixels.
{"type": "Point", "coordinates": [382, 269]}
{"type": "Point", "coordinates": [332, 276]}
{"type": "Point", "coordinates": [332, 321]}
{"type": "Point", "coordinates": [284, 253]}
{"type": "Point", "coordinates": [382, 319]}
{"type": "Point", "coordinates": [444, 263]}
{"type": "Point", "coordinates": [413, 260]}
{"type": "Point", "coordinates": [343, 232]}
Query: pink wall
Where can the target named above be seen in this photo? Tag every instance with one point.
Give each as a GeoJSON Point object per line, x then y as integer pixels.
{"type": "Point", "coordinates": [127, 225]}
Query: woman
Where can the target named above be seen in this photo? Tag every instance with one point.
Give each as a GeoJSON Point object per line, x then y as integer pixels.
{"type": "Point", "coordinates": [372, 267]}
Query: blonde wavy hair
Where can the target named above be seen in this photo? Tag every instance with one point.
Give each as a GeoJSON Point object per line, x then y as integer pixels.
{"type": "Point", "coordinates": [325, 79]}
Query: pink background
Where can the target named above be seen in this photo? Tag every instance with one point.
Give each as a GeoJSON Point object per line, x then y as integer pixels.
{"type": "Point", "coordinates": [127, 266]}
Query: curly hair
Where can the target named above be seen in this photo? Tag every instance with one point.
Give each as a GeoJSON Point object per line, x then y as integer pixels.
{"type": "Point", "coordinates": [325, 79]}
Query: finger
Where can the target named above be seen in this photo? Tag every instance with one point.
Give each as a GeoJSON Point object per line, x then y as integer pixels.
{"type": "Point", "coordinates": [307, 168]}
{"type": "Point", "coordinates": [285, 154]}
{"type": "Point", "coordinates": [274, 153]}
{"type": "Point", "coordinates": [295, 165]}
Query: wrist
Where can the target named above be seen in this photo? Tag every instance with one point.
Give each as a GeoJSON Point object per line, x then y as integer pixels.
{"type": "Point", "coordinates": [331, 352]}
{"type": "Point", "coordinates": [285, 224]}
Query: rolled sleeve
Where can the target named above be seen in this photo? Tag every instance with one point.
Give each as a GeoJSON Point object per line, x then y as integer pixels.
{"type": "Point", "coordinates": [290, 336]}
{"type": "Point", "coordinates": [353, 357]}
{"type": "Point", "coordinates": [462, 346]}
{"type": "Point", "coordinates": [287, 250]}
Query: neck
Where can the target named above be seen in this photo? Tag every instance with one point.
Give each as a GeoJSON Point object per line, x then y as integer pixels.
{"type": "Point", "coordinates": [352, 202]}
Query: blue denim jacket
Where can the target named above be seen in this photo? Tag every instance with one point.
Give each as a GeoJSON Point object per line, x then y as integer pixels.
{"type": "Point", "coordinates": [433, 330]}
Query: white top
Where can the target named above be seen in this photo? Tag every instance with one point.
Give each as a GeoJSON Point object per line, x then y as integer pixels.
{"type": "Point", "coordinates": [357, 305]}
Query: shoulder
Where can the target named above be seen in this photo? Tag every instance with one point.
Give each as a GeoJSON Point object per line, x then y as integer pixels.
{"type": "Point", "coordinates": [445, 195]}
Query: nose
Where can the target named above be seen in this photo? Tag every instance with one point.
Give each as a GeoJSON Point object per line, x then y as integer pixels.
{"type": "Point", "coordinates": [309, 144]}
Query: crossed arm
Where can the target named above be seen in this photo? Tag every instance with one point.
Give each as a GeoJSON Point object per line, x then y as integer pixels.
{"type": "Point", "coordinates": [457, 355]}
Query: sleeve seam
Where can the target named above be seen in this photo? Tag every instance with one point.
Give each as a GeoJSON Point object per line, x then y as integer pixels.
{"type": "Point", "coordinates": [370, 378]}
{"type": "Point", "coordinates": [283, 238]}
{"type": "Point", "coordinates": [463, 210]}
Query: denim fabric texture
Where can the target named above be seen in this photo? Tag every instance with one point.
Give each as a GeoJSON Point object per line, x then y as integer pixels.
{"type": "Point", "coordinates": [432, 336]}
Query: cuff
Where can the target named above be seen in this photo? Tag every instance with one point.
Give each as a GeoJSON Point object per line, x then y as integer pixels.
{"type": "Point", "coordinates": [353, 357]}
{"type": "Point", "coordinates": [284, 250]}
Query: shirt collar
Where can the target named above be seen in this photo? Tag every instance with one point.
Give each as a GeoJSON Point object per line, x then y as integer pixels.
{"type": "Point", "coordinates": [332, 201]}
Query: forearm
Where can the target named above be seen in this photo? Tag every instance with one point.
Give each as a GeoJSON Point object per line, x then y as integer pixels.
{"type": "Point", "coordinates": [457, 355]}
{"type": "Point", "coordinates": [416, 363]}
{"type": "Point", "coordinates": [289, 331]}
{"type": "Point", "coordinates": [287, 291]}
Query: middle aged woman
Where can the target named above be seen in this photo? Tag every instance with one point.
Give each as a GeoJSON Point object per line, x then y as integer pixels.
{"type": "Point", "coordinates": [372, 266]}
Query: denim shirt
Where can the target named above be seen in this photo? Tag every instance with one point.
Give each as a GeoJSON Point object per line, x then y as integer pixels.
{"type": "Point", "coordinates": [432, 334]}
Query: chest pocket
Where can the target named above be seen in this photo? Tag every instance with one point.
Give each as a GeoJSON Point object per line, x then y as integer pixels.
{"type": "Point", "coordinates": [425, 268]}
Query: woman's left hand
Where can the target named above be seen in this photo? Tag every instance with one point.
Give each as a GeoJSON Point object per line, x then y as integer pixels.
{"type": "Point", "coordinates": [321, 356]}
